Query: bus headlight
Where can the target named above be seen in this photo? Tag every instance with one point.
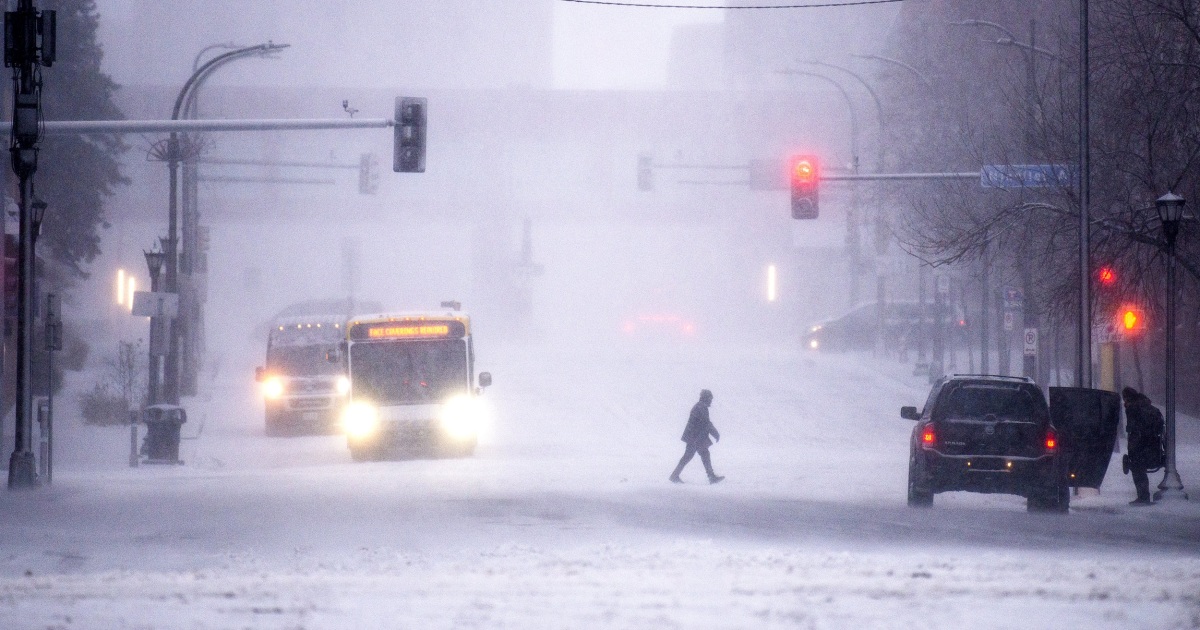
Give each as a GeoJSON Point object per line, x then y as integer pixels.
{"type": "Point", "coordinates": [360, 420]}
{"type": "Point", "coordinates": [272, 388]}
{"type": "Point", "coordinates": [342, 386]}
{"type": "Point", "coordinates": [462, 417]}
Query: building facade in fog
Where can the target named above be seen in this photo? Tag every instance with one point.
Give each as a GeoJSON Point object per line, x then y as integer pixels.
{"type": "Point", "coordinates": [366, 43]}
{"type": "Point", "coordinates": [759, 43]}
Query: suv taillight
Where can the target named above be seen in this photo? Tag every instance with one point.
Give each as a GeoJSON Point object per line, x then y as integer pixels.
{"type": "Point", "coordinates": [1051, 441]}
{"type": "Point", "coordinates": [928, 436]}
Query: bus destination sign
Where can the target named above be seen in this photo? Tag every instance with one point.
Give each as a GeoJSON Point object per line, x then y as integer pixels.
{"type": "Point", "coordinates": [407, 329]}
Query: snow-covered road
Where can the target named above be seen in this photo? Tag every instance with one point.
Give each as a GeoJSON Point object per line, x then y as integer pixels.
{"type": "Point", "coordinates": [565, 519]}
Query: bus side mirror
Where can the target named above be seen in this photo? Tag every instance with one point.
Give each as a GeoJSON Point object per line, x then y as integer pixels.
{"type": "Point", "coordinates": [485, 379]}
{"type": "Point", "coordinates": [259, 374]}
{"type": "Point", "coordinates": [910, 413]}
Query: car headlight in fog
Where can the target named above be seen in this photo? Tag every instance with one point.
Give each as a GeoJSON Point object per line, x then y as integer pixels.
{"type": "Point", "coordinates": [272, 388]}
{"type": "Point", "coordinates": [360, 419]}
{"type": "Point", "coordinates": [462, 417]}
{"type": "Point", "coordinates": [343, 386]}
{"type": "Point", "coordinates": [814, 344]}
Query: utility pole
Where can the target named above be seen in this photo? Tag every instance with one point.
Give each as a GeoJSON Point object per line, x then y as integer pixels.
{"type": "Point", "coordinates": [28, 45]}
{"type": "Point", "coordinates": [1083, 367]}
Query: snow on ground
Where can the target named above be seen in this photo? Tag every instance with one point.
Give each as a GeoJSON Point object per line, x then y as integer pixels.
{"type": "Point", "coordinates": [565, 519]}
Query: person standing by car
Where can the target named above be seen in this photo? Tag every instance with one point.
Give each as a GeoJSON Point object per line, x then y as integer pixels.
{"type": "Point", "coordinates": [696, 437]}
{"type": "Point", "coordinates": [1144, 425]}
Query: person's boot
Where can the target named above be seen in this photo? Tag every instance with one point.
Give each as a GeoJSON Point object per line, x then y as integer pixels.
{"type": "Point", "coordinates": [1141, 501]}
{"type": "Point", "coordinates": [675, 479]}
{"type": "Point", "coordinates": [715, 478]}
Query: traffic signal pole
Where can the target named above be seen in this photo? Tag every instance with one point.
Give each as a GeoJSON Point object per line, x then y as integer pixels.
{"type": "Point", "coordinates": [29, 44]}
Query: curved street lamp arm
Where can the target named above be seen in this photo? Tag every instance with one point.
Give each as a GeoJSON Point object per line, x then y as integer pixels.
{"type": "Point", "coordinates": [874, 97]}
{"type": "Point", "coordinates": [199, 55]}
{"type": "Point", "coordinates": [203, 70]}
{"type": "Point", "coordinates": [1008, 41]}
{"type": "Point", "coordinates": [988, 24]}
{"type": "Point", "coordinates": [189, 105]}
{"type": "Point", "coordinates": [917, 73]}
{"type": "Point", "coordinates": [849, 106]}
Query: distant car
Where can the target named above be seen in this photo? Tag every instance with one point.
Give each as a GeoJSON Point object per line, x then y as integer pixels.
{"type": "Point", "coordinates": [857, 330]}
{"type": "Point", "coordinates": [996, 434]}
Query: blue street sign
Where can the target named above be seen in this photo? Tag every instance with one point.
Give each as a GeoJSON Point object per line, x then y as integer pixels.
{"type": "Point", "coordinates": [1027, 176]}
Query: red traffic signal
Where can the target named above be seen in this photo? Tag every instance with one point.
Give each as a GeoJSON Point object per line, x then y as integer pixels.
{"type": "Point", "coordinates": [1107, 276]}
{"type": "Point", "coordinates": [1131, 321]}
{"type": "Point", "coordinates": [805, 175]}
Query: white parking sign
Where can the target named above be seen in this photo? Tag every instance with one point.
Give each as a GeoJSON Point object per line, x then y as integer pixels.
{"type": "Point", "coordinates": [1031, 342]}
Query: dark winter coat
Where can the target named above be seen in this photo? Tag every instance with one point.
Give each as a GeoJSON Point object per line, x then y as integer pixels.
{"type": "Point", "coordinates": [1144, 424]}
{"type": "Point", "coordinates": [699, 427]}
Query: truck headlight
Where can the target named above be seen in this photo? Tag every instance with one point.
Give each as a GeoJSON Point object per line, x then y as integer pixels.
{"type": "Point", "coordinates": [462, 417]}
{"type": "Point", "coordinates": [360, 419]}
{"type": "Point", "coordinates": [342, 387]}
{"type": "Point", "coordinates": [272, 388]}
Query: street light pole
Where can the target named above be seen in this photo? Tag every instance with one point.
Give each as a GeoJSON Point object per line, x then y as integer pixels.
{"type": "Point", "coordinates": [29, 43]}
{"type": "Point", "coordinates": [154, 263]}
{"type": "Point", "coordinates": [1083, 371]}
{"type": "Point", "coordinates": [852, 236]}
{"type": "Point", "coordinates": [921, 266]}
{"type": "Point", "coordinates": [174, 157]}
{"type": "Point", "coordinates": [882, 228]}
{"type": "Point", "coordinates": [1170, 212]}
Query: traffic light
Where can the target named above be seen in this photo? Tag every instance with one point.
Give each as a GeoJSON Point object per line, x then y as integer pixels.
{"type": "Point", "coordinates": [804, 172]}
{"type": "Point", "coordinates": [1107, 276]}
{"type": "Point", "coordinates": [1131, 321]}
{"type": "Point", "coordinates": [368, 174]}
{"type": "Point", "coordinates": [409, 135]}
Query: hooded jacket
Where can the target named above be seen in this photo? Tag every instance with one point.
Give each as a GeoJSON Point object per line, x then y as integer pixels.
{"type": "Point", "coordinates": [699, 427]}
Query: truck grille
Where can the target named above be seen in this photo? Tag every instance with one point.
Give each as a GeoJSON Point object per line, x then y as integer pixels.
{"type": "Point", "coordinates": [310, 402]}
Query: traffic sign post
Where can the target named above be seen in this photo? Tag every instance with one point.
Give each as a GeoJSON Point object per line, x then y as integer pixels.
{"type": "Point", "coordinates": [1030, 352]}
{"type": "Point", "coordinates": [1014, 298]}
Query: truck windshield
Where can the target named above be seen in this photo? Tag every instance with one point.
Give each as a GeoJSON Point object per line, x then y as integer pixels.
{"type": "Point", "coordinates": [408, 372]}
{"type": "Point", "coordinates": [302, 360]}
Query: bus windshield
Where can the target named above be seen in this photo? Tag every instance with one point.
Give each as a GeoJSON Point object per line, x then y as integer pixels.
{"type": "Point", "coordinates": [408, 372]}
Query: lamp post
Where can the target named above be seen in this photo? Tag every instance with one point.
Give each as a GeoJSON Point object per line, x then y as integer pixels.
{"type": "Point", "coordinates": [852, 236]}
{"type": "Point", "coordinates": [174, 156]}
{"type": "Point", "coordinates": [921, 266]}
{"type": "Point", "coordinates": [154, 263]}
{"type": "Point", "coordinates": [1170, 213]}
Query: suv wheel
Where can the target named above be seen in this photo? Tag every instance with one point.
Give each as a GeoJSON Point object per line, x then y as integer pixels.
{"type": "Point", "coordinates": [916, 496]}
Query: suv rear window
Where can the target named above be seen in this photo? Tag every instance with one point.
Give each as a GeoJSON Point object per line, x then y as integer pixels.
{"type": "Point", "coordinates": [973, 401]}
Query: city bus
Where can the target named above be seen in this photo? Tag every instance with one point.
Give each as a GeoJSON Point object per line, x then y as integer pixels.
{"type": "Point", "coordinates": [413, 387]}
{"type": "Point", "coordinates": [302, 392]}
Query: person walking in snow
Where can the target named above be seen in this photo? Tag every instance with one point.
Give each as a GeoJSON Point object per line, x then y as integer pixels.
{"type": "Point", "coordinates": [1144, 425]}
{"type": "Point", "coordinates": [696, 437]}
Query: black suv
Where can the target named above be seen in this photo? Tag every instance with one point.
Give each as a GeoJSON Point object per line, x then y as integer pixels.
{"type": "Point", "coordinates": [996, 434]}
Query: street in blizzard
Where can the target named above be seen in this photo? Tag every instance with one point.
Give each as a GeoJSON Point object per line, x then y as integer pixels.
{"type": "Point", "coordinates": [250, 369]}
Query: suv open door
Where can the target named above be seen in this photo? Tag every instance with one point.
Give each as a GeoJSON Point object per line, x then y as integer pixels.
{"type": "Point", "coordinates": [1087, 421]}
